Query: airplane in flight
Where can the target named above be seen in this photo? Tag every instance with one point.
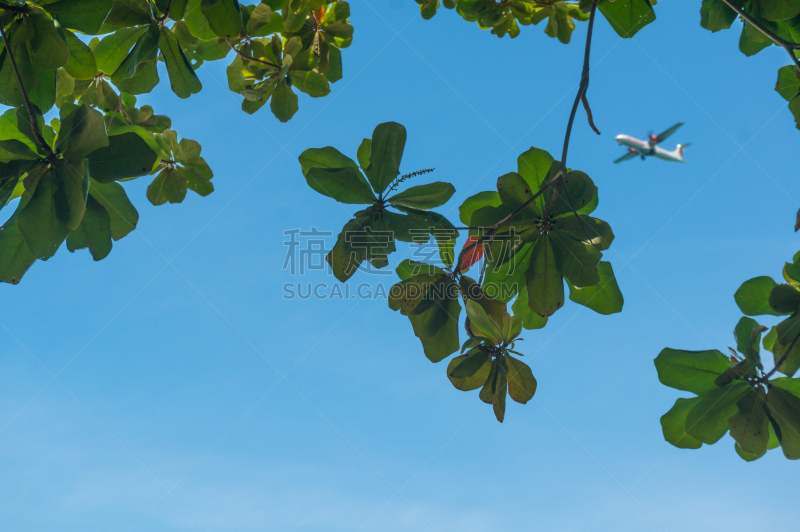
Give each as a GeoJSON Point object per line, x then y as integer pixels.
{"type": "Point", "coordinates": [640, 148]}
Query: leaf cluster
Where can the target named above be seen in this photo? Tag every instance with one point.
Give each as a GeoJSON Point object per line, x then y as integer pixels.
{"type": "Point", "coordinates": [505, 18]}
{"type": "Point", "coordinates": [735, 393]}
{"type": "Point", "coordinates": [781, 19]}
{"type": "Point", "coordinates": [542, 244]}
{"type": "Point", "coordinates": [67, 172]}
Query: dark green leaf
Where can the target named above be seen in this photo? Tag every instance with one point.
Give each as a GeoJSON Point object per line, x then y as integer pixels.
{"type": "Point", "coordinates": [342, 184]}
{"type": "Point", "coordinates": [715, 15]}
{"type": "Point", "coordinates": [424, 196]}
{"type": "Point", "coordinates": [37, 218]}
{"type": "Point", "coordinates": [168, 186]}
{"type": "Point", "coordinates": [284, 102]}
{"type": "Point", "coordinates": [85, 16]}
{"type": "Point", "coordinates": [182, 77]}
{"type": "Point", "coordinates": [543, 280]}
{"type": "Point", "coordinates": [784, 299]}
{"type": "Point", "coordinates": [784, 410]}
{"type": "Point", "coordinates": [470, 365]}
{"type": "Point", "coordinates": [750, 427]}
{"type": "Point", "coordinates": [575, 260]}
{"type": "Point", "coordinates": [127, 155]}
{"type": "Point", "coordinates": [386, 151]}
{"type": "Point", "coordinates": [477, 202]}
{"type": "Point", "coordinates": [521, 383]}
{"type": "Point", "coordinates": [123, 215]}
{"type": "Point", "coordinates": [707, 421]}
{"type": "Point", "coordinates": [224, 17]}
{"type": "Point", "coordinates": [94, 231]}
{"type": "Point", "coordinates": [15, 257]}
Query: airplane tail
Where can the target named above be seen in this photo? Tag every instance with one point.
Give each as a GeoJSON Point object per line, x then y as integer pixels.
{"type": "Point", "coordinates": [682, 147]}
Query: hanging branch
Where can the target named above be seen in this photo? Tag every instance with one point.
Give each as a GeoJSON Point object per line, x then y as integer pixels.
{"type": "Point", "coordinates": [789, 46]}
{"type": "Point", "coordinates": [557, 179]}
{"type": "Point", "coordinates": [37, 135]}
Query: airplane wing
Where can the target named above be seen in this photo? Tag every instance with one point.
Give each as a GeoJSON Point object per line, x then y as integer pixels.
{"type": "Point", "coordinates": [663, 136]}
{"type": "Point", "coordinates": [629, 155]}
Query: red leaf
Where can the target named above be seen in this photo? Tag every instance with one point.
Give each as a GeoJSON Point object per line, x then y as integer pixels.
{"type": "Point", "coordinates": [470, 257]}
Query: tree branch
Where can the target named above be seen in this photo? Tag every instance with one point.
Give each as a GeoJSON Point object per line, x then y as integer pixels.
{"type": "Point", "coordinates": [490, 231]}
{"type": "Point", "coordinates": [789, 46]}
{"type": "Point", "coordinates": [766, 377]}
{"type": "Point", "coordinates": [28, 106]}
{"type": "Point", "coordinates": [253, 59]}
{"type": "Point", "coordinates": [164, 17]}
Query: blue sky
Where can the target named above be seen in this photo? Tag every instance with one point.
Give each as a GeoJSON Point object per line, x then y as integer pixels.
{"type": "Point", "coordinates": [189, 395]}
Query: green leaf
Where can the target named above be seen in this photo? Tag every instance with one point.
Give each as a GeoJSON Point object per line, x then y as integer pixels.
{"type": "Point", "coordinates": [112, 50]}
{"type": "Point", "coordinates": [71, 195]}
{"type": "Point", "coordinates": [81, 64]}
{"type": "Point", "coordinates": [363, 153]}
{"type": "Point", "coordinates": [408, 294]}
{"type": "Point", "coordinates": [575, 260]}
{"type": "Point", "coordinates": [145, 49]}
{"type": "Point", "coordinates": [481, 324]}
{"type": "Point", "coordinates": [544, 282]}
{"type": "Point", "coordinates": [327, 157]}
{"type": "Point", "coordinates": [224, 17]}
{"type": "Point", "coordinates": [49, 48]}
{"type": "Point", "coordinates": [85, 16]}
{"type": "Point", "coordinates": [673, 425]}
{"type": "Point", "coordinates": [515, 192]}
{"type": "Point", "coordinates": [769, 340]}
{"type": "Point", "coordinates": [386, 151]}
{"type": "Point", "coordinates": [521, 382]}
{"type": "Point", "coordinates": [753, 296]}
{"type": "Point", "coordinates": [604, 297]}
{"type": "Point", "coordinates": [707, 421]}
{"type": "Point", "coordinates": [94, 231]}
{"type": "Point", "coordinates": [127, 155]}
{"type": "Point", "coordinates": [182, 77]}
{"type": "Point", "coordinates": [750, 426]}
{"type": "Point", "coordinates": [600, 232]}
{"type": "Point", "coordinates": [284, 102]}
{"type": "Point", "coordinates": [470, 365]}
{"type": "Point", "coordinates": [521, 309]}
{"type": "Point", "coordinates": [715, 15]}
{"type": "Point", "coordinates": [787, 332]}
{"type": "Point", "coordinates": [692, 371]}
{"type": "Point", "coordinates": [750, 44]}
{"type": "Point", "coordinates": [312, 83]}
{"type": "Point", "coordinates": [437, 327]}
{"type": "Point", "coordinates": [409, 268]}
{"type": "Point", "coordinates": [742, 334]}
{"type": "Point", "coordinates": [37, 219]}
{"type": "Point", "coordinates": [40, 83]}
{"type": "Point", "coordinates": [627, 17]}
{"type": "Point", "coordinates": [82, 131]}
{"type": "Point", "coordinates": [784, 299]}
{"type": "Point", "coordinates": [582, 192]}
{"type": "Point", "coordinates": [777, 10]}
{"type": "Point", "coordinates": [424, 196]}
{"type": "Point", "coordinates": [168, 186]}
{"type": "Point", "coordinates": [788, 84]}
{"type": "Point", "coordinates": [342, 184]}
{"type": "Point", "coordinates": [784, 409]}
{"type": "Point", "coordinates": [477, 380]}
{"type": "Point", "coordinates": [15, 257]}
{"type": "Point", "coordinates": [534, 167]}
{"type": "Point", "coordinates": [477, 202]}
{"type": "Point", "coordinates": [122, 214]}
{"type": "Point", "coordinates": [499, 397]}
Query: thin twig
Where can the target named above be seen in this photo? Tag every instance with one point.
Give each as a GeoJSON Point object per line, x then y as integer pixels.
{"type": "Point", "coordinates": [766, 377]}
{"type": "Point", "coordinates": [28, 105]}
{"type": "Point", "coordinates": [253, 59]}
{"type": "Point", "coordinates": [789, 46]}
{"type": "Point", "coordinates": [164, 17]}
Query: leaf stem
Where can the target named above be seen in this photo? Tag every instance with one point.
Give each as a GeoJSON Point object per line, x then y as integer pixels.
{"type": "Point", "coordinates": [28, 105]}
{"type": "Point", "coordinates": [164, 17]}
{"type": "Point", "coordinates": [789, 46]}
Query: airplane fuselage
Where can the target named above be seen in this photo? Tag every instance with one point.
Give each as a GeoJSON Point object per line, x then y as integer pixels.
{"type": "Point", "coordinates": [646, 150]}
